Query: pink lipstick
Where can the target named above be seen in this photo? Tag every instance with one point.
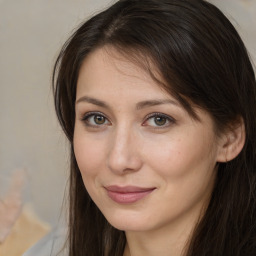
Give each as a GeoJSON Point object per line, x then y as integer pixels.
{"type": "Point", "coordinates": [128, 194]}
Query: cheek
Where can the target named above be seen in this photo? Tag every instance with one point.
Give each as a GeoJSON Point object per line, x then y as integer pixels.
{"type": "Point", "coordinates": [90, 159]}
{"type": "Point", "coordinates": [89, 154]}
{"type": "Point", "coordinates": [186, 168]}
{"type": "Point", "coordinates": [182, 156]}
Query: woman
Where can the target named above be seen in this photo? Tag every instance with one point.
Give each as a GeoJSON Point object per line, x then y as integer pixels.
{"type": "Point", "coordinates": [157, 99]}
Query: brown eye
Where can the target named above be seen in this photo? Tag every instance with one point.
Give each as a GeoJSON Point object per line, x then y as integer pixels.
{"type": "Point", "coordinates": [95, 120]}
{"type": "Point", "coordinates": [160, 120]}
{"type": "Point", "coordinates": [99, 119]}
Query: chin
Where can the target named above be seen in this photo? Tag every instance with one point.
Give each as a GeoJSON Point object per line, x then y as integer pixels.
{"type": "Point", "coordinates": [129, 221]}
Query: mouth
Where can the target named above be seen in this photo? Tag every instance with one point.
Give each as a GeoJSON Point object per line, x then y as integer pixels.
{"type": "Point", "coordinates": [128, 194]}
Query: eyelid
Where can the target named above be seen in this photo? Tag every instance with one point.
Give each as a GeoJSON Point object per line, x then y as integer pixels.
{"type": "Point", "coordinates": [87, 115]}
{"type": "Point", "coordinates": [170, 119]}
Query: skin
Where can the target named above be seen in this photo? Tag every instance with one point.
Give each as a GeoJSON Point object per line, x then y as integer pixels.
{"type": "Point", "coordinates": [127, 146]}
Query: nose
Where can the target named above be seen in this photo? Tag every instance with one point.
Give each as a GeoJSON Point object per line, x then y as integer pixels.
{"type": "Point", "coordinates": [124, 155]}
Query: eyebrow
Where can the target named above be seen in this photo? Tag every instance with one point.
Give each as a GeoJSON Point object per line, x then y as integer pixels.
{"type": "Point", "coordinates": [151, 103]}
{"type": "Point", "coordinates": [139, 105]}
{"type": "Point", "coordinates": [93, 101]}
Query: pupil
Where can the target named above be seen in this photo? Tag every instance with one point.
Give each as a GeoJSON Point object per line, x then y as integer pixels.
{"type": "Point", "coordinates": [159, 120]}
{"type": "Point", "coordinates": [99, 119]}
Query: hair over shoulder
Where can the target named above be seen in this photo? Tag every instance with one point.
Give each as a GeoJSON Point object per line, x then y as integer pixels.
{"type": "Point", "coordinates": [203, 62]}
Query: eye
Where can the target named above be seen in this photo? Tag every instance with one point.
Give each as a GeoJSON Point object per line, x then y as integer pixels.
{"type": "Point", "coordinates": [158, 120]}
{"type": "Point", "coordinates": [95, 119]}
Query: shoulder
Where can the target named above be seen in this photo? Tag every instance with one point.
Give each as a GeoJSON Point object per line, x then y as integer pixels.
{"type": "Point", "coordinates": [50, 245]}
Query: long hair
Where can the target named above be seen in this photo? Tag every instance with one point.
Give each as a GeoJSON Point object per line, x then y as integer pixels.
{"type": "Point", "coordinates": [202, 61]}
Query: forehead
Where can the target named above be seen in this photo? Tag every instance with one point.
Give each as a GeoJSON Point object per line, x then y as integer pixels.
{"type": "Point", "coordinates": [106, 69]}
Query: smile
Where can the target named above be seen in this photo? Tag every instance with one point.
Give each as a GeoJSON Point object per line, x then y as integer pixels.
{"type": "Point", "coordinates": [127, 195]}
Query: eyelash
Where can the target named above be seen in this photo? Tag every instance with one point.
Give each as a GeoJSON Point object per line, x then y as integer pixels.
{"type": "Point", "coordinates": [88, 115]}
{"type": "Point", "coordinates": [169, 120]}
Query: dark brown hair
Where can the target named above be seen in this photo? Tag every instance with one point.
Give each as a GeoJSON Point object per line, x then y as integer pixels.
{"type": "Point", "coordinates": [203, 62]}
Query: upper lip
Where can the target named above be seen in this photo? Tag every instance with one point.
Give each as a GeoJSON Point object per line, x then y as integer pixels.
{"type": "Point", "coordinates": [127, 189]}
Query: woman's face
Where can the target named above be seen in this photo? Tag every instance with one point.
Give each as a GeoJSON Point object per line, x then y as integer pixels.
{"type": "Point", "coordinates": [144, 161]}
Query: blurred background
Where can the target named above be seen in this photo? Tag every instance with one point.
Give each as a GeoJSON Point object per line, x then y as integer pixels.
{"type": "Point", "coordinates": [31, 35]}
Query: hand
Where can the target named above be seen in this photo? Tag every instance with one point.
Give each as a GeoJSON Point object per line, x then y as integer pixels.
{"type": "Point", "coordinates": [11, 204]}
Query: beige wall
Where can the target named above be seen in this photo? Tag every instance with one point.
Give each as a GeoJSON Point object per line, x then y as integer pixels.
{"type": "Point", "coordinates": [242, 13]}
{"type": "Point", "coordinates": [31, 33]}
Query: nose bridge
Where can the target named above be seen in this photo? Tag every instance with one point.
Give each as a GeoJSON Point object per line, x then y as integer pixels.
{"type": "Point", "coordinates": [123, 152]}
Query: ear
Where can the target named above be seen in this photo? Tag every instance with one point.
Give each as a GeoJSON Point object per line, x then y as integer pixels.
{"type": "Point", "coordinates": [232, 142]}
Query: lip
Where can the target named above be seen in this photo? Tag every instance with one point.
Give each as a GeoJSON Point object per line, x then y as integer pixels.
{"type": "Point", "coordinates": [127, 194]}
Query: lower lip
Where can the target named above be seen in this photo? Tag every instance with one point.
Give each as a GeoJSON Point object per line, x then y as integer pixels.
{"type": "Point", "coordinates": [129, 197]}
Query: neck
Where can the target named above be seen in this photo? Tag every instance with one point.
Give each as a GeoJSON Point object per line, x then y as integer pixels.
{"type": "Point", "coordinates": [170, 240]}
{"type": "Point", "coordinates": [156, 243]}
